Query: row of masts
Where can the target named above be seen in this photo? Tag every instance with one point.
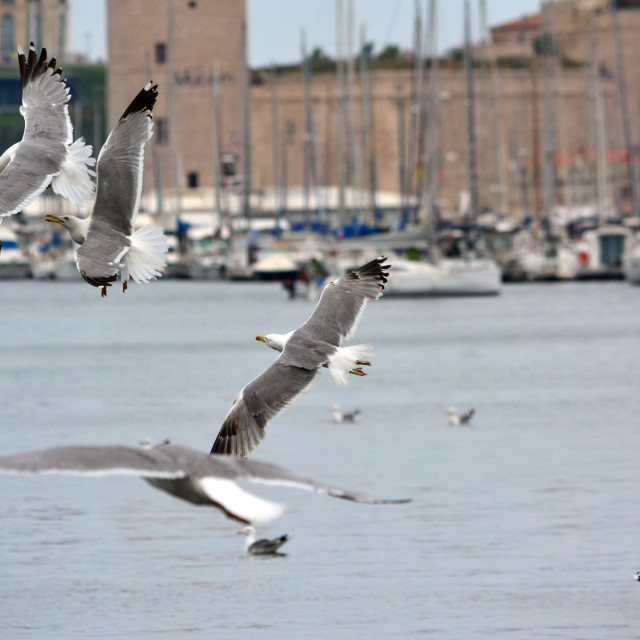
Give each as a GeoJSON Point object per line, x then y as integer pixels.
{"type": "Point", "coordinates": [419, 147]}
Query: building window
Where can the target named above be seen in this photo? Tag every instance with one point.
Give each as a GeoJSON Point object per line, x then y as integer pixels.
{"type": "Point", "coordinates": [161, 127]}
{"type": "Point", "coordinates": [6, 36]}
{"type": "Point", "coordinates": [192, 180]}
{"type": "Point", "coordinates": [161, 53]}
{"type": "Point", "coordinates": [229, 164]}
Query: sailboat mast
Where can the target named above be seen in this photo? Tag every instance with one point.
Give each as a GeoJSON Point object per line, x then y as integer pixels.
{"type": "Point", "coordinates": [624, 106]}
{"type": "Point", "coordinates": [306, 85]}
{"type": "Point", "coordinates": [217, 147]}
{"type": "Point", "coordinates": [431, 153]}
{"type": "Point", "coordinates": [155, 156]}
{"type": "Point", "coordinates": [354, 152]}
{"type": "Point", "coordinates": [174, 134]}
{"type": "Point", "coordinates": [416, 111]}
{"type": "Point", "coordinates": [472, 169]}
{"type": "Point", "coordinates": [275, 133]}
{"type": "Point", "coordinates": [367, 118]}
{"type": "Point", "coordinates": [341, 124]}
{"type": "Point", "coordinates": [496, 112]}
{"type": "Point", "coordinates": [402, 157]}
{"type": "Point", "coordinates": [599, 122]}
{"type": "Point", "coordinates": [548, 133]}
{"type": "Point", "coordinates": [246, 130]}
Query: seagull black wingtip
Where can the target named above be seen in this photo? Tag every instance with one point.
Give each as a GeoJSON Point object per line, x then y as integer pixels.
{"type": "Point", "coordinates": [144, 101]}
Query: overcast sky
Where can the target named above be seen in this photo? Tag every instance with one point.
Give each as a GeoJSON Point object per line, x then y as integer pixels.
{"type": "Point", "coordinates": [275, 25]}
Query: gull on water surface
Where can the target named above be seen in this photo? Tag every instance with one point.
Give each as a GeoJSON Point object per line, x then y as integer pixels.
{"type": "Point", "coordinates": [348, 416]}
{"type": "Point", "coordinates": [109, 242]}
{"type": "Point", "coordinates": [46, 155]}
{"type": "Point", "coordinates": [304, 351]}
{"type": "Point", "coordinates": [263, 546]}
{"type": "Point", "coordinates": [191, 475]}
{"type": "Point", "coordinates": [456, 419]}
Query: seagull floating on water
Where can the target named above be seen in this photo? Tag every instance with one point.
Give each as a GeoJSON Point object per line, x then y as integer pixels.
{"type": "Point", "coordinates": [196, 477]}
{"type": "Point", "coordinates": [109, 243]}
{"type": "Point", "coordinates": [456, 419]}
{"type": "Point", "coordinates": [46, 155]}
{"type": "Point", "coordinates": [304, 351]}
{"type": "Point", "coordinates": [264, 546]}
{"type": "Point", "coordinates": [339, 417]}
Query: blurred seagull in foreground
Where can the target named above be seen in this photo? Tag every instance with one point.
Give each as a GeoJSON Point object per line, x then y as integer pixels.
{"type": "Point", "coordinates": [196, 477]}
{"type": "Point", "coordinates": [109, 243]}
{"type": "Point", "coordinates": [637, 576]}
{"type": "Point", "coordinates": [46, 155]}
{"type": "Point", "coordinates": [339, 417]}
{"type": "Point", "coordinates": [456, 419]}
{"type": "Point", "coordinates": [304, 352]}
{"type": "Point", "coordinates": [264, 546]}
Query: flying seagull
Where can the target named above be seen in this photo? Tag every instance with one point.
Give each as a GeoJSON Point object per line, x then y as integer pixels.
{"type": "Point", "coordinates": [456, 419]}
{"type": "Point", "coordinates": [264, 546]}
{"type": "Point", "coordinates": [184, 473]}
{"type": "Point", "coordinates": [315, 344]}
{"type": "Point", "coordinates": [46, 155]}
{"type": "Point", "coordinates": [109, 244]}
{"type": "Point", "coordinates": [339, 417]}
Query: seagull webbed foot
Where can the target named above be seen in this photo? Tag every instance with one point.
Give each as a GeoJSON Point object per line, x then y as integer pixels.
{"type": "Point", "coordinates": [364, 363]}
{"type": "Point", "coordinates": [103, 293]}
{"type": "Point", "coordinates": [124, 286]}
{"type": "Point", "coordinates": [357, 372]}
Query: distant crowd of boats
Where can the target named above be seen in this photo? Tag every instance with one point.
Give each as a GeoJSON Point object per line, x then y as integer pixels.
{"type": "Point", "coordinates": [452, 262]}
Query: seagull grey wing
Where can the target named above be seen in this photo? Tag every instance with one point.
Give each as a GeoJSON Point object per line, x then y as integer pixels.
{"type": "Point", "coordinates": [266, 473]}
{"type": "Point", "coordinates": [120, 164]}
{"type": "Point", "coordinates": [342, 302]}
{"type": "Point", "coordinates": [187, 474]}
{"type": "Point", "coordinates": [93, 460]}
{"type": "Point", "coordinates": [119, 171]}
{"type": "Point", "coordinates": [41, 153]}
{"type": "Point", "coordinates": [259, 401]}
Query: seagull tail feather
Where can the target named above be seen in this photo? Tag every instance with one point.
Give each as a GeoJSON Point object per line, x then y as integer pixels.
{"type": "Point", "coordinates": [74, 180]}
{"type": "Point", "coordinates": [345, 360]}
{"type": "Point", "coordinates": [147, 257]}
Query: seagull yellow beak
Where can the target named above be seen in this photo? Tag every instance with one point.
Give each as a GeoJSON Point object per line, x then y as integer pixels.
{"type": "Point", "coordinates": [53, 218]}
{"type": "Point", "coordinates": [261, 338]}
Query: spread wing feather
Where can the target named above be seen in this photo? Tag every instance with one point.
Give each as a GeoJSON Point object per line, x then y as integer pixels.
{"type": "Point", "coordinates": [119, 169]}
{"type": "Point", "coordinates": [257, 403]}
{"type": "Point", "coordinates": [309, 347]}
{"type": "Point", "coordinates": [30, 165]}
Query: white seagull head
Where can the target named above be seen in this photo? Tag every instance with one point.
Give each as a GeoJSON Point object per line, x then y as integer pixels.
{"type": "Point", "coordinates": [77, 227]}
{"type": "Point", "coordinates": [276, 341]}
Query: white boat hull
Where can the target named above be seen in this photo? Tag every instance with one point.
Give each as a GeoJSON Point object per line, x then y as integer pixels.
{"type": "Point", "coordinates": [455, 277]}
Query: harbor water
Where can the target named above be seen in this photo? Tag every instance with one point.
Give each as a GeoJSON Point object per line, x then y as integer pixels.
{"type": "Point", "coordinates": [522, 525]}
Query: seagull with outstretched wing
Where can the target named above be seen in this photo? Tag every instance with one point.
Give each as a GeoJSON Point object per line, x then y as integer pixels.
{"type": "Point", "coordinates": [190, 475]}
{"type": "Point", "coordinates": [46, 155]}
{"type": "Point", "coordinates": [110, 245]}
{"type": "Point", "coordinates": [304, 351]}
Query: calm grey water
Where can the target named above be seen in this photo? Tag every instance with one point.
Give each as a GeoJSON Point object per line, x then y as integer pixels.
{"type": "Point", "coordinates": [524, 525]}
